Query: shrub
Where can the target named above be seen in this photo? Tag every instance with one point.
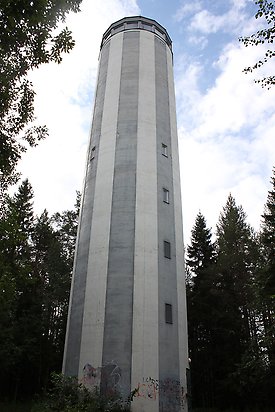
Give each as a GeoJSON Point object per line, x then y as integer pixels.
{"type": "Point", "coordinates": [67, 395]}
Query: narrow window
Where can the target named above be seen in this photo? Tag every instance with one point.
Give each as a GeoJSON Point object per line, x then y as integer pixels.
{"type": "Point", "coordinates": [165, 195]}
{"type": "Point", "coordinates": [164, 150]}
{"type": "Point", "coordinates": [93, 153]}
{"type": "Point", "coordinates": [167, 249]}
{"type": "Point", "coordinates": [168, 313]}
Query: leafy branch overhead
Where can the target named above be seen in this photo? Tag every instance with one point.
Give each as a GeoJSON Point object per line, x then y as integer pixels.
{"type": "Point", "coordinates": [29, 37]}
{"type": "Point", "coordinates": [266, 10]}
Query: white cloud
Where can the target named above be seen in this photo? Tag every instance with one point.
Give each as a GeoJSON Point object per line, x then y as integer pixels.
{"type": "Point", "coordinates": [201, 21]}
{"type": "Point", "coordinates": [226, 138]}
{"type": "Point", "coordinates": [206, 22]}
{"type": "Point", "coordinates": [199, 41]}
{"type": "Point", "coordinates": [234, 101]}
{"type": "Point", "coordinates": [187, 9]}
{"type": "Point", "coordinates": [240, 4]}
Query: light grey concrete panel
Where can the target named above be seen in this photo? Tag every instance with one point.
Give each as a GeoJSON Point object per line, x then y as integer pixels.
{"type": "Point", "coordinates": [145, 314]}
{"type": "Point", "coordinates": [168, 333]}
{"type": "Point", "coordinates": [75, 317]}
{"type": "Point", "coordinates": [119, 296]}
{"type": "Point", "coordinates": [94, 307]}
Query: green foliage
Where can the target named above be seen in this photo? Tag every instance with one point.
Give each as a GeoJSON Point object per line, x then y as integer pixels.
{"type": "Point", "coordinates": [266, 10]}
{"type": "Point", "coordinates": [230, 312]}
{"type": "Point", "coordinates": [29, 37]}
{"type": "Point", "coordinates": [268, 239]}
{"type": "Point", "coordinates": [15, 226]}
{"type": "Point", "coordinates": [35, 275]}
{"type": "Point", "coordinates": [67, 395]}
{"type": "Point", "coordinates": [201, 251]}
{"type": "Point", "coordinates": [266, 282]}
{"type": "Point", "coordinates": [235, 323]}
{"type": "Point", "coordinates": [200, 260]}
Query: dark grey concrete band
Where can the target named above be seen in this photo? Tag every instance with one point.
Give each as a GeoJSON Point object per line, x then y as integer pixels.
{"type": "Point", "coordinates": [82, 254]}
{"type": "Point", "coordinates": [117, 343]}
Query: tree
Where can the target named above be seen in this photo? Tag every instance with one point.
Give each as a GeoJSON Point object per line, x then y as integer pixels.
{"type": "Point", "coordinates": [266, 284]}
{"type": "Point", "coordinates": [16, 225]}
{"type": "Point", "coordinates": [36, 256]}
{"type": "Point", "coordinates": [29, 37]}
{"type": "Point", "coordinates": [235, 339]}
{"type": "Point", "coordinates": [231, 311]}
{"type": "Point", "coordinates": [266, 10]}
{"type": "Point", "coordinates": [52, 274]}
{"type": "Point", "coordinates": [66, 224]}
{"type": "Point", "coordinates": [201, 251]}
{"type": "Point", "coordinates": [200, 260]}
{"type": "Point", "coordinates": [268, 238]}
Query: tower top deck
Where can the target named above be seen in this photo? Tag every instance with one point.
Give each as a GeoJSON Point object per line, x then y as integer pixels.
{"type": "Point", "coordinates": [140, 23]}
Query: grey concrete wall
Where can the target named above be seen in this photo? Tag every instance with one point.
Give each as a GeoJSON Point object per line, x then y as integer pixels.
{"type": "Point", "coordinates": [117, 346]}
{"type": "Point", "coordinates": [77, 299]}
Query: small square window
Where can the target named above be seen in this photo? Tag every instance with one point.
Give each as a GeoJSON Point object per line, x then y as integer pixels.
{"type": "Point", "coordinates": [92, 153]}
{"type": "Point", "coordinates": [164, 150]}
{"type": "Point", "coordinates": [168, 313]}
{"type": "Point", "coordinates": [165, 195]}
{"type": "Point", "coordinates": [167, 249]}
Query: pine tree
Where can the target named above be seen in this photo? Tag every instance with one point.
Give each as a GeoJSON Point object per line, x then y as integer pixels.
{"type": "Point", "coordinates": [36, 256]}
{"type": "Point", "coordinates": [15, 276]}
{"type": "Point", "coordinates": [201, 251]}
{"type": "Point", "coordinates": [266, 285]}
{"type": "Point", "coordinates": [66, 224]}
{"type": "Point", "coordinates": [200, 259]}
{"type": "Point", "coordinates": [268, 238]}
{"type": "Point", "coordinates": [234, 323]}
{"type": "Point", "coordinates": [52, 271]}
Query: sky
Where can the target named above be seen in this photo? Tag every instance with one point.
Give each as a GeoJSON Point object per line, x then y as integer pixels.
{"type": "Point", "coordinates": [226, 122]}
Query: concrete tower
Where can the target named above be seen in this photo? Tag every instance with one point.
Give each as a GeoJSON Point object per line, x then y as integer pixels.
{"type": "Point", "coordinates": [127, 317]}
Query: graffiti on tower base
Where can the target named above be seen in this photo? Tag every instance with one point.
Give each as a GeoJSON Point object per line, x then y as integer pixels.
{"type": "Point", "coordinates": [170, 391]}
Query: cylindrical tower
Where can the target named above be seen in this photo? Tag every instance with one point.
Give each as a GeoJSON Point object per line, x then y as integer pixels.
{"type": "Point", "coordinates": [127, 317]}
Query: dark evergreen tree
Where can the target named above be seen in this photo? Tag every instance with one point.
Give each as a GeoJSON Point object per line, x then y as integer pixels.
{"type": "Point", "coordinates": [266, 287]}
{"type": "Point", "coordinates": [234, 339]}
{"type": "Point", "coordinates": [36, 258]}
{"type": "Point", "coordinates": [52, 271]}
{"type": "Point", "coordinates": [16, 226]}
{"type": "Point", "coordinates": [200, 253]}
{"type": "Point", "coordinates": [268, 239]}
{"type": "Point", "coordinates": [200, 259]}
{"type": "Point", "coordinates": [230, 296]}
{"type": "Point", "coordinates": [66, 224]}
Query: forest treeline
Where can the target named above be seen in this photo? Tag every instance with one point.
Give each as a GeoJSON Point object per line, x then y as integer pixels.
{"type": "Point", "coordinates": [231, 302]}
{"type": "Point", "coordinates": [230, 297]}
{"type": "Point", "coordinates": [36, 260]}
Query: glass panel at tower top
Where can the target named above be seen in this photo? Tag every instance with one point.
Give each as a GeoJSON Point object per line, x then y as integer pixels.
{"type": "Point", "coordinates": [140, 23]}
